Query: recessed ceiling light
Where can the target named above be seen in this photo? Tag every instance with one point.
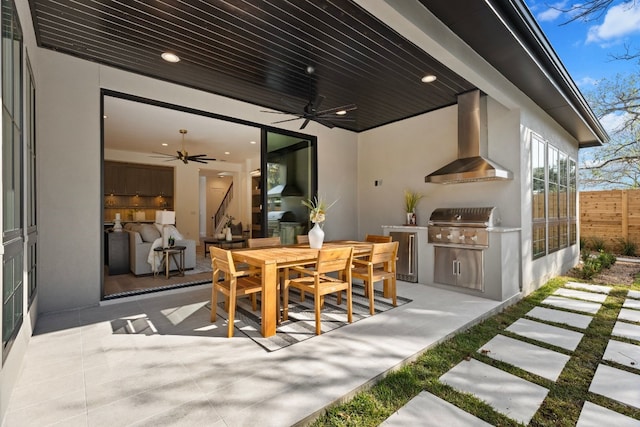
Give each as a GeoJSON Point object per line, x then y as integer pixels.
{"type": "Point", "coordinates": [170, 57]}
{"type": "Point", "coordinates": [429, 78]}
{"type": "Point", "coordinates": [164, 144]}
{"type": "Point", "coordinates": [252, 142]}
{"type": "Point", "coordinates": [227, 153]}
{"type": "Point", "coordinates": [341, 112]}
{"type": "Point", "coordinates": [105, 117]}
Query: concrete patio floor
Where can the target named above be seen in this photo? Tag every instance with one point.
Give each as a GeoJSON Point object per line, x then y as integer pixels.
{"type": "Point", "coordinates": [82, 370]}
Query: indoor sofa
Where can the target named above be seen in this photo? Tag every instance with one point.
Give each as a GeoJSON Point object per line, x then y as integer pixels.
{"type": "Point", "coordinates": [141, 240]}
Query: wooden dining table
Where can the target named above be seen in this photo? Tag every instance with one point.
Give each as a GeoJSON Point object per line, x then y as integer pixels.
{"type": "Point", "coordinates": [273, 258]}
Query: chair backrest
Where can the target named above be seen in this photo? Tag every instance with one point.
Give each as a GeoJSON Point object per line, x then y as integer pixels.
{"type": "Point", "coordinates": [335, 259]}
{"type": "Point", "coordinates": [221, 260]}
{"type": "Point", "coordinates": [264, 241]}
{"type": "Point", "coordinates": [384, 253]}
{"type": "Point", "coordinates": [376, 238]}
{"type": "Point", "coordinates": [302, 238]}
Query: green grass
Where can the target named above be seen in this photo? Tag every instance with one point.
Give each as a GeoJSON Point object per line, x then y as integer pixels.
{"type": "Point", "coordinates": [560, 408]}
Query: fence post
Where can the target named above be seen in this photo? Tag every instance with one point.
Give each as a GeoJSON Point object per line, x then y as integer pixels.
{"type": "Point", "coordinates": [625, 215]}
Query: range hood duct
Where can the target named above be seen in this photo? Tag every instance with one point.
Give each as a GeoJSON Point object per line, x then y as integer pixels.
{"type": "Point", "coordinates": [472, 165]}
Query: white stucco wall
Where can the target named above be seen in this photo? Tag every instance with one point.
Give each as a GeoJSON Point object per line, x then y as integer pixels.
{"type": "Point", "coordinates": [403, 153]}
{"type": "Point", "coordinates": [536, 272]}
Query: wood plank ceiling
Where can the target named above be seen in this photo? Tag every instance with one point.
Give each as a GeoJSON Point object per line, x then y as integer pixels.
{"type": "Point", "coordinates": [258, 52]}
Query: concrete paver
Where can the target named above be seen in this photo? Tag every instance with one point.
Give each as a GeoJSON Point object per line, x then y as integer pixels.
{"type": "Point", "coordinates": [631, 303]}
{"type": "Point", "coordinates": [593, 415]}
{"type": "Point", "coordinates": [506, 393]}
{"type": "Point", "coordinates": [629, 315]}
{"type": "Point", "coordinates": [572, 304]}
{"type": "Point", "coordinates": [623, 353]}
{"type": "Point", "coordinates": [626, 330]}
{"type": "Point", "coordinates": [574, 293]}
{"type": "Point", "coordinates": [617, 384]}
{"type": "Point", "coordinates": [532, 358]}
{"type": "Point", "coordinates": [576, 320]}
{"type": "Point", "coordinates": [633, 294]}
{"type": "Point", "coordinates": [589, 287]}
{"type": "Point", "coordinates": [428, 410]}
{"type": "Point", "coordinates": [553, 335]}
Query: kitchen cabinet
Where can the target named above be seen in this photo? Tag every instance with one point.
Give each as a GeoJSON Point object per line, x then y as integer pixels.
{"type": "Point", "coordinates": [138, 181]}
{"type": "Point", "coordinates": [459, 267]}
{"type": "Point", "coordinates": [114, 178]}
{"type": "Point", "coordinates": [162, 182]}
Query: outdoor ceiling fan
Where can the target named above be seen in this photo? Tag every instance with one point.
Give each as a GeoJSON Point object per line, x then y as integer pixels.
{"type": "Point", "coordinates": [183, 155]}
{"type": "Point", "coordinates": [312, 111]}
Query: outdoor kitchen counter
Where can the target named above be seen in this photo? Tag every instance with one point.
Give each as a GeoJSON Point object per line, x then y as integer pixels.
{"type": "Point", "coordinates": [501, 261]}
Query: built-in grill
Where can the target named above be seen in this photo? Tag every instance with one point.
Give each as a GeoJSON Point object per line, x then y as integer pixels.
{"type": "Point", "coordinates": [460, 236]}
{"type": "Point", "coordinates": [462, 226]}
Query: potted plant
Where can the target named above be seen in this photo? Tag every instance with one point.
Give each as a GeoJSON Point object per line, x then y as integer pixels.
{"type": "Point", "coordinates": [411, 200]}
{"type": "Point", "coordinates": [317, 211]}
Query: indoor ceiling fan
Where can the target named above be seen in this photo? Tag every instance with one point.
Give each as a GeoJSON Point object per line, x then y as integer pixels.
{"type": "Point", "coordinates": [312, 111]}
{"type": "Point", "coordinates": [183, 155]}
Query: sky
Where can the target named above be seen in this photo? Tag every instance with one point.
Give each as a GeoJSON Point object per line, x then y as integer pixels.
{"type": "Point", "coordinates": [586, 48]}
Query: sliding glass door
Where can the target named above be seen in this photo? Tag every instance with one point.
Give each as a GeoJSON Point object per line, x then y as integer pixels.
{"type": "Point", "coordinates": [289, 162]}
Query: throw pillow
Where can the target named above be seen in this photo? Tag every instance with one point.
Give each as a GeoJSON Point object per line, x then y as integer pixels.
{"type": "Point", "coordinates": [148, 233]}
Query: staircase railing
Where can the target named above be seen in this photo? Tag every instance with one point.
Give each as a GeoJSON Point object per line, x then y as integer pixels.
{"type": "Point", "coordinates": [218, 219]}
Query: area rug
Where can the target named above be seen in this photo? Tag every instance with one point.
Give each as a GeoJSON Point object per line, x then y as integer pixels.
{"type": "Point", "coordinates": [301, 323]}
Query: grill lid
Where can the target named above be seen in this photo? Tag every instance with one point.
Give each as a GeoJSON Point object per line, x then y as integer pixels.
{"type": "Point", "coordinates": [469, 217]}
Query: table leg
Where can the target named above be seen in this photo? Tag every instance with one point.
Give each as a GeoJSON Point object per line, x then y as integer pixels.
{"type": "Point", "coordinates": [269, 295]}
{"type": "Point", "coordinates": [167, 264]}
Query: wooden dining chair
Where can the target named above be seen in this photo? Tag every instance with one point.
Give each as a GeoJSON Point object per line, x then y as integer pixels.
{"type": "Point", "coordinates": [236, 283]}
{"type": "Point", "coordinates": [379, 265]}
{"type": "Point", "coordinates": [302, 238]}
{"type": "Point", "coordinates": [260, 242]}
{"type": "Point", "coordinates": [377, 238]}
{"type": "Point", "coordinates": [317, 282]}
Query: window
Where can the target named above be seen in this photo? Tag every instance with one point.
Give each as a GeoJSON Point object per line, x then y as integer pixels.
{"type": "Point", "coordinates": [12, 178]}
{"type": "Point", "coordinates": [539, 197]}
{"type": "Point", "coordinates": [553, 203]}
{"type": "Point", "coordinates": [30, 140]}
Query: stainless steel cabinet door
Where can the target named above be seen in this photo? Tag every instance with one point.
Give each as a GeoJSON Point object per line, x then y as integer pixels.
{"type": "Point", "coordinates": [445, 267]}
{"type": "Point", "coordinates": [470, 268]}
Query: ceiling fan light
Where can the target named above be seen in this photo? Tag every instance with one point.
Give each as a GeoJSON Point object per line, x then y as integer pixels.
{"type": "Point", "coordinates": [170, 57]}
{"type": "Point", "coordinates": [429, 78]}
{"type": "Point", "coordinates": [341, 112]}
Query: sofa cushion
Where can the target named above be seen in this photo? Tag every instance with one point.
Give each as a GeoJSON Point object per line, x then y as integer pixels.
{"type": "Point", "coordinates": [148, 233]}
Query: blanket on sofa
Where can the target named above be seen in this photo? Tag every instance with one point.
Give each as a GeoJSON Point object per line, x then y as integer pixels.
{"type": "Point", "coordinates": [154, 261]}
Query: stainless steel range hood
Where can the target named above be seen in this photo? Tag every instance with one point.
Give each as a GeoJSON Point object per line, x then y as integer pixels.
{"type": "Point", "coordinates": [472, 164]}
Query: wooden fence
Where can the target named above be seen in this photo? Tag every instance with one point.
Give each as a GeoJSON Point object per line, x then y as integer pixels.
{"type": "Point", "coordinates": [611, 215]}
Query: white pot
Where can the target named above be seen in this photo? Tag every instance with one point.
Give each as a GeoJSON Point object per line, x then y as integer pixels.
{"type": "Point", "coordinates": [316, 237]}
{"type": "Point", "coordinates": [228, 235]}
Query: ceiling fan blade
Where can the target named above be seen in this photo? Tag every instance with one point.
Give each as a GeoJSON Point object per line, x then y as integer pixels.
{"type": "Point", "coordinates": [304, 125]}
{"type": "Point", "coordinates": [325, 123]}
{"type": "Point", "coordinates": [275, 112]}
{"type": "Point", "coordinates": [198, 161]}
{"type": "Point", "coordinates": [349, 107]}
{"type": "Point", "coordinates": [286, 120]}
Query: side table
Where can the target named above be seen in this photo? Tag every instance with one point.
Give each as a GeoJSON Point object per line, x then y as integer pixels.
{"type": "Point", "coordinates": [167, 255]}
{"type": "Point", "coordinates": [222, 243]}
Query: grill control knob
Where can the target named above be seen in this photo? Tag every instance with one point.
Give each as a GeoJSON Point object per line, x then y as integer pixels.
{"type": "Point", "coordinates": [449, 237]}
{"type": "Point", "coordinates": [458, 217]}
{"type": "Point", "coordinates": [462, 237]}
{"type": "Point", "coordinates": [438, 236]}
{"type": "Point", "coordinates": [474, 238]}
